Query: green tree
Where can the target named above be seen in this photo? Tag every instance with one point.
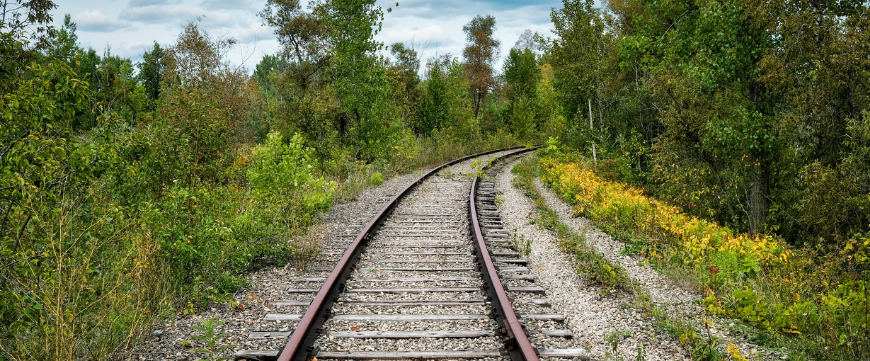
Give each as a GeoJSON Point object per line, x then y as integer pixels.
{"type": "Point", "coordinates": [24, 28]}
{"type": "Point", "coordinates": [151, 71]}
{"type": "Point", "coordinates": [444, 96]}
{"type": "Point", "coordinates": [303, 101]}
{"type": "Point", "coordinates": [405, 81]}
{"type": "Point", "coordinates": [63, 44]}
{"type": "Point", "coordinates": [358, 77]}
{"type": "Point", "coordinates": [28, 18]}
{"type": "Point", "coordinates": [819, 64]}
{"type": "Point", "coordinates": [304, 36]}
{"type": "Point", "coordinates": [521, 76]}
{"type": "Point", "coordinates": [265, 73]}
{"type": "Point", "coordinates": [480, 53]}
{"type": "Point", "coordinates": [42, 169]}
{"type": "Point", "coordinates": [576, 54]}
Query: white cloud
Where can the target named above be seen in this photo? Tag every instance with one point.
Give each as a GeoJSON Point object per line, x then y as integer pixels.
{"type": "Point", "coordinates": [227, 4]}
{"type": "Point", "coordinates": [254, 32]}
{"type": "Point", "coordinates": [154, 14]}
{"type": "Point", "coordinates": [139, 3]}
{"type": "Point", "coordinates": [96, 21]}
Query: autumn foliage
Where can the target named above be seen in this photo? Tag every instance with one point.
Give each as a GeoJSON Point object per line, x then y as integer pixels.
{"type": "Point", "coordinates": [812, 300]}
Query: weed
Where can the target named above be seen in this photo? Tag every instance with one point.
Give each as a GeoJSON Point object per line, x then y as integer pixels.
{"type": "Point", "coordinates": [523, 244]}
{"type": "Point", "coordinates": [641, 353]}
{"type": "Point", "coordinates": [376, 179]}
{"type": "Point", "coordinates": [475, 164]}
{"type": "Point", "coordinates": [211, 338]}
{"type": "Point", "coordinates": [609, 275]}
{"type": "Point", "coordinates": [614, 338]}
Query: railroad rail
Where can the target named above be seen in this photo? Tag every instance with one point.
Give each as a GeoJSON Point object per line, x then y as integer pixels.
{"type": "Point", "coordinates": [408, 266]}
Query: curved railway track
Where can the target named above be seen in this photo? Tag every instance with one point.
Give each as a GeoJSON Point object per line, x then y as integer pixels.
{"type": "Point", "coordinates": [432, 276]}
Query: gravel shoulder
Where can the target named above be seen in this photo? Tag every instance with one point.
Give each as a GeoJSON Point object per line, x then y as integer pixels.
{"type": "Point", "coordinates": [674, 299]}
{"type": "Point", "coordinates": [597, 316]}
{"type": "Point", "coordinates": [590, 316]}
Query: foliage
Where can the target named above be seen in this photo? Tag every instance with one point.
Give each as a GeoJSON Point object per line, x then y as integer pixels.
{"type": "Point", "coordinates": [748, 121]}
{"type": "Point", "coordinates": [480, 53]}
{"type": "Point", "coordinates": [70, 268]}
{"type": "Point", "coordinates": [405, 82]}
{"type": "Point", "coordinates": [443, 97]}
{"type": "Point", "coordinates": [750, 277]}
{"type": "Point", "coordinates": [31, 17]}
{"type": "Point", "coordinates": [151, 71]}
{"type": "Point", "coordinates": [609, 275]}
{"type": "Point", "coordinates": [575, 54]}
{"type": "Point", "coordinates": [106, 221]}
{"type": "Point", "coordinates": [522, 76]}
{"type": "Point", "coordinates": [211, 338]}
{"type": "Point", "coordinates": [282, 182]}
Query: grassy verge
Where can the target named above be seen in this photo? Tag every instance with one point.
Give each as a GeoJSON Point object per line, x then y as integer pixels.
{"type": "Point", "coordinates": [814, 304]}
{"type": "Point", "coordinates": [611, 276]}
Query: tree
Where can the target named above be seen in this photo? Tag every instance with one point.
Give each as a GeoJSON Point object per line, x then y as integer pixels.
{"type": "Point", "coordinates": [527, 41]}
{"type": "Point", "coordinates": [717, 114]}
{"type": "Point", "coordinates": [820, 65]}
{"type": "Point", "coordinates": [151, 71]}
{"type": "Point", "coordinates": [480, 54]}
{"type": "Point", "coordinates": [444, 96]}
{"type": "Point", "coordinates": [405, 80]}
{"type": "Point", "coordinates": [31, 17]}
{"type": "Point", "coordinates": [521, 77]}
{"type": "Point", "coordinates": [576, 54]}
{"type": "Point", "coordinates": [521, 74]}
{"type": "Point", "coordinates": [18, 19]}
{"type": "Point", "coordinates": [357, 75]}
{"type": "Point", "coordinates": [406, 58]}
{"type": "Point", "coordinates": [63, 44]}
{"type": "Point", "coordinates": [197, 58]}
{"type": "Point", "coordinates": [264, 72]}
{"type": "Point", "coordinates": [303, 34]}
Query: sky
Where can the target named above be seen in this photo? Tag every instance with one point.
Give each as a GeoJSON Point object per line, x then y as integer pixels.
{"type": "Point", "coordinates": [130, 27]}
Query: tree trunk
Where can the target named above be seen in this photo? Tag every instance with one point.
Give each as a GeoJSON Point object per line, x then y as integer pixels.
{"type": "Point", "coordinates": [590, 113]}
{"type": "Point", "coordinates": [758, 195]}
{"type": "Point", "coordinates": [476, 100]}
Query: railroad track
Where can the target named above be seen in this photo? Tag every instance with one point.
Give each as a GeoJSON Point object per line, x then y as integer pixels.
{"type": "Point", "coordinates": [433, 275]}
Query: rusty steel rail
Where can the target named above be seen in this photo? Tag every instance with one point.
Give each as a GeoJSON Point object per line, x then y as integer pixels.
{"type": "Point", "coordinates": [517, 342]}
{"type": "Point", "coordinates": [300, 344]}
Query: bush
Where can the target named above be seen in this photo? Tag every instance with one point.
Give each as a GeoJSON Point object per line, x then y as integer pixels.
{"type": "Point", "coordinates": [283, 184]}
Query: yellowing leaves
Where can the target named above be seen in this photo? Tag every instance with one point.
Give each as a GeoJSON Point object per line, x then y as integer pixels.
{"type": "Point", "coordinates": [624, 206]}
